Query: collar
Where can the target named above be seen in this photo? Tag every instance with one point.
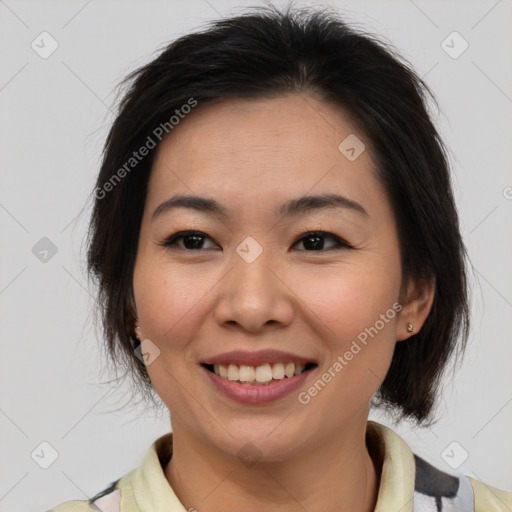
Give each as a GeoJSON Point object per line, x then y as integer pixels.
{"type": "Point", "coordinates": [146, 487]}
{"type": "Point", "coordinates": [396, 489]}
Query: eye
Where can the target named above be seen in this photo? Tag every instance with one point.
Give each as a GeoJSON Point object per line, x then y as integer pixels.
{"type": "Point", "coordinates": [315, 240]}
{"type": "Point", "coordinates": [192, 240]}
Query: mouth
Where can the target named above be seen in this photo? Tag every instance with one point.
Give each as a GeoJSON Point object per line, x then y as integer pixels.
{"type": "Point", "coordinates": [260, 375]}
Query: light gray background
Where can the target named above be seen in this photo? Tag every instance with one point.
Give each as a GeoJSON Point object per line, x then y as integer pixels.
{"type": "Point", "coordinates": [55, 115]}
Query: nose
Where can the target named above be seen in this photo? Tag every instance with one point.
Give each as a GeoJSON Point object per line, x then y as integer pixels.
{"type": "Point", "coordinates": [255, 296]}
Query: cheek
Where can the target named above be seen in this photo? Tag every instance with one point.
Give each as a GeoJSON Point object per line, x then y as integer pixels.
{"type": "Point", "coordinates": [349, 300]}
{"type": "Point", "coordinates": [172, 304]}
{"type": "Point", "coordinates": [356, 310]}
{"type": "Point", "coordinates": [168, 301]}
{"type": "Point", "coordinates": [356, 324]}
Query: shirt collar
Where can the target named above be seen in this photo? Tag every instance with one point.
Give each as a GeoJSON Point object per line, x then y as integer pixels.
{"type": "Point", "coordinates": [146, 487]}
{"type": "Point", "coordinates": [396, 489]}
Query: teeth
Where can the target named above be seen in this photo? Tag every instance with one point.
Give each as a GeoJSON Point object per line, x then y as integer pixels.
{"type": "Point", "coordinates": [246, 373]}
{"type": "Point", "coordinates": [299, 368]}
{"type": "Point", "coordinates": [278, 371]}
{"type": "Point", "coordinates": [233, 372]}
{"type": "Point", "coordinates": [262, 374]}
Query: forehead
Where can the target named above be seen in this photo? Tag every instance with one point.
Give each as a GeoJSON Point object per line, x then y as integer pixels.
{"type": "Point", "coordinates": [258, 152]}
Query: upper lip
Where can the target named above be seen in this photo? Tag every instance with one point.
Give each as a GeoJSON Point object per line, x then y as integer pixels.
{"type": "Point", "coordinates": [241, 357]}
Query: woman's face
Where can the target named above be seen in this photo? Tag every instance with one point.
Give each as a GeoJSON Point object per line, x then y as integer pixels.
{"type": "Point", "coordinates": [254, 282]}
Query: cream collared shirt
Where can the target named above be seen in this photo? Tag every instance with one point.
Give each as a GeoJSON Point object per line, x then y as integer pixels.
{"type": "Point", "coordinates": [408, 484]}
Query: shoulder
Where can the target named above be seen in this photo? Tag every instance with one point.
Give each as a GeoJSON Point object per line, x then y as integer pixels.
{"type": "Point", "coordinates": [436, 490]}
{"type": "Point", "coordinates": [107, 500]}
{"type": "Point", "coordinates": [411, 484]}
{"type": "Point", "coordinates": [72, 506]}
{"type": "Point", "coordinates": [488, 498]}
{"type": "Point", "coordinates": [138, 489]}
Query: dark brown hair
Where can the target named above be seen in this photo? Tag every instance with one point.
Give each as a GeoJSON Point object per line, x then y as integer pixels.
{"type": "Point", "coordinates": [267, 52]}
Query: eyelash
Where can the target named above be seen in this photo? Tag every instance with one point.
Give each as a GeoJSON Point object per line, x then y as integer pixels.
{"type": "Point", "coordinates": [340, 243]}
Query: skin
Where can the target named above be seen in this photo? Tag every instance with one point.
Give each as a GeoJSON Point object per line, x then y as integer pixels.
{"type": "Point", "coordinates": [252, 156]}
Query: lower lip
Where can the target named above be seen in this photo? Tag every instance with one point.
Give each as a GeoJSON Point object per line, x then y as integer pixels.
{"type": "Point", "coordinates": [259, 394]}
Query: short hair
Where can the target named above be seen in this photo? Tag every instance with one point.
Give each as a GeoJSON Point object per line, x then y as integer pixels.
{"type": "Point", "coordinates": [266, 52]}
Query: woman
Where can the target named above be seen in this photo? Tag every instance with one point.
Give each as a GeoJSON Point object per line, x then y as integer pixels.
{"type": "Point", "coordinates": [277, 249]}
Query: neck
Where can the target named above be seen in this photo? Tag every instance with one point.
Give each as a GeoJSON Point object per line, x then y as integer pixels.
{"type": "Point", "coordinates": [335, 475]}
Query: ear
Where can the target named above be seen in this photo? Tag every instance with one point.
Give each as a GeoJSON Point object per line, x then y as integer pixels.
{"type": "Point", "coordinates": [136, 329]}
{"type": "Point", "coordinates": [419, 296]}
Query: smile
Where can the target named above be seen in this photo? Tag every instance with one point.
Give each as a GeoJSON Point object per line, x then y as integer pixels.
{"type": "Point", "coordinates": [262, 374]}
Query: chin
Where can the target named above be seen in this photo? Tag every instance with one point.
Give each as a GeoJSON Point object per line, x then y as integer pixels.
{"type": "Point", "coordinates": [267, 441]}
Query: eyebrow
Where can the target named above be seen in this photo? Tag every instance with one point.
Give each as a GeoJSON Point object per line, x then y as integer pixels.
{"type": "Point", "coordinates": [290, 208]}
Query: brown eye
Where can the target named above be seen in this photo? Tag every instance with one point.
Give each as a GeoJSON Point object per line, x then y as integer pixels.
{"type": "Point", "coordinates": [315, 242]}
{"type": "Point", "coordinates": [192, 240]}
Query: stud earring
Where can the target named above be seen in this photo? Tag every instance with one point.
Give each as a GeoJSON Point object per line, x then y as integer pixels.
{"type": "Point", "coordinates": [410, 327]}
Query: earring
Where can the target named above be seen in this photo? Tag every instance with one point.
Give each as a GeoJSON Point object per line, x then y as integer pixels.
{"type": "Point", "coordinates": [410, 328]}
{"type": "Point", "coordinates": [135, 341]}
